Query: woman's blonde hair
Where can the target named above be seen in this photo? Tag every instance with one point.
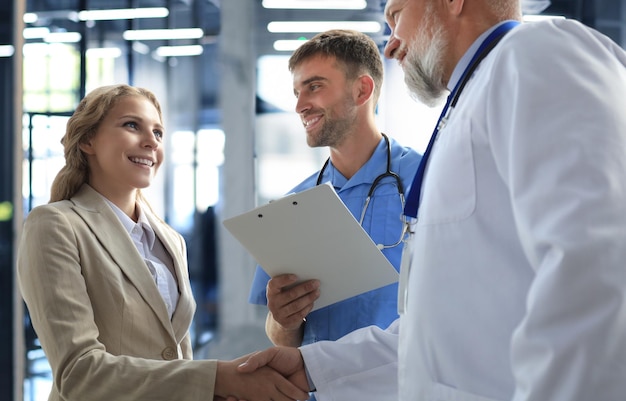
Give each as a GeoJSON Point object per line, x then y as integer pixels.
{"type": "Point", "coordinates": [81, 128]}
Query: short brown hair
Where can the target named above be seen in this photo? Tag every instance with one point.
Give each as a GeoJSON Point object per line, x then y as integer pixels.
{"type": "Point", "coordinates": [356, 51]}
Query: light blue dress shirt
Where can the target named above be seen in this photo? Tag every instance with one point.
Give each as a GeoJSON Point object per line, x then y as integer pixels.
{"type": "Point", "coordinates": [382, 222]}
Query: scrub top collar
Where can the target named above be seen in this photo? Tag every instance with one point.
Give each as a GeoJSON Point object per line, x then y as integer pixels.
{"type": "Point", "coordinates": [372, 168]}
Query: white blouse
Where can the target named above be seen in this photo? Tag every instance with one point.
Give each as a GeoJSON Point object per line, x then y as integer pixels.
{"type": "Point", "coordinates": [153, 253]}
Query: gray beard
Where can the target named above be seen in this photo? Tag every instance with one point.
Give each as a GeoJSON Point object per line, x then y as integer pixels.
{"type": "Point", "coordinates": [423, 74]}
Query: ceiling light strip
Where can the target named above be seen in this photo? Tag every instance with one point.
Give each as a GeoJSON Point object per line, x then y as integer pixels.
{"type": "Point", "coordinates": [178, 51]}
{"type": "Point", "coordinates": [163, 34]}
{"type": "Point", "coordinates": [7, 50]}
{"type": "Point", "coordinates": [62, 37]}
{"type": "Point", "coordinates": [321, 26]}
{"type": "Point", "coordinates": [286, 45]}
{"type": "Point", "coordinates": [104, 52]}
{"type": "Point", "coordinates": [123, 13]}
{"type": "Point", "coordinates": [316, 4]}
{"type": "Point", "coordinates": [36, 32]}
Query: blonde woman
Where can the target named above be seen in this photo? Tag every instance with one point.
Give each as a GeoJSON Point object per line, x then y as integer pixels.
{"type": "Point", "coordinates": [105, 280]}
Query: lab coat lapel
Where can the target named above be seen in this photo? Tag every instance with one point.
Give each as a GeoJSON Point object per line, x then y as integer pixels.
{"type": "Point", "coordinates": [109, 231]}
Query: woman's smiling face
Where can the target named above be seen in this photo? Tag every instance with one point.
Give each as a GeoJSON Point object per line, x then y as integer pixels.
{"type": "Point", "coordinates": [127, 150]}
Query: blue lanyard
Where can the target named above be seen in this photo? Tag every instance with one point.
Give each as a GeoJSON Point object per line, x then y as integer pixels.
{"type": "Point", "coordinates": [412, 201]}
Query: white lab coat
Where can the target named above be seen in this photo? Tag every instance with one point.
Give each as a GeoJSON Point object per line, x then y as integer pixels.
{"type": "Point", "coordinates": [517, 288]}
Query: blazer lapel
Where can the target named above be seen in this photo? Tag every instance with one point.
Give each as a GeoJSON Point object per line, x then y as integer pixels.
{"type": "Point", "coordinates": [106, 226]}
{"type": "Point", "coordinates": [183, 314]}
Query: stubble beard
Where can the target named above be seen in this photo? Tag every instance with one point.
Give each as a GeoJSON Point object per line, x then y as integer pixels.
{"type": "Point", "coordinates": [334, 130]}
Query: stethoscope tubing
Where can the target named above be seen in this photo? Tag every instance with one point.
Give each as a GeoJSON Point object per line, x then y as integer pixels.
{"type": "Point", "coordinates": [370, 193]}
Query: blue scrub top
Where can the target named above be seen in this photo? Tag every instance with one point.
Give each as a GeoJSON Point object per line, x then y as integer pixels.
{"type": "Point", "coordinates": [384, 225]}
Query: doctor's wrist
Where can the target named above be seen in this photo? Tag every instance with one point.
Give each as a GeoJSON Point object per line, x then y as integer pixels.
{"type": "Point", "coordinates": [312, 388]}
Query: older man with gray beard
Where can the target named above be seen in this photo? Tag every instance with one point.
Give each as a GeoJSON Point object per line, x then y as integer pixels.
{"type": "Point", "coordinates": [513, 284]}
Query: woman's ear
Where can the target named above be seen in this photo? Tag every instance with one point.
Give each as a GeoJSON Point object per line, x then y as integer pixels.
{"type": "Point", "coordinates": [86, 147]}
{"type": "Point", "coordinates": [364, 89]}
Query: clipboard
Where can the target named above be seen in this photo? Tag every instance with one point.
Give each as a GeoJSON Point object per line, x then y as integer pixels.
{"type": "Point", "coordinates": [313, 234]}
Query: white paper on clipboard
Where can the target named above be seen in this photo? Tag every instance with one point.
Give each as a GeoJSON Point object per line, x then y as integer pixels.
{"type": "Point", "coordinates": [313, 234]}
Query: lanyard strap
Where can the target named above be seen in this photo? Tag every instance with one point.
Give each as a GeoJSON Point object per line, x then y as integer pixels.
{"type": "Point", "coordinates": [412, 201]}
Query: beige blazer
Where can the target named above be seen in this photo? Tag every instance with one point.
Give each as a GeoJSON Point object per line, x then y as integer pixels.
{"type": "Point", "coordinates": [98, 314]}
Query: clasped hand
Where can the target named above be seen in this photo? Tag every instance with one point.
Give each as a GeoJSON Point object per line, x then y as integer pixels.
{"type": "Point", "coordinates": [275, 374]}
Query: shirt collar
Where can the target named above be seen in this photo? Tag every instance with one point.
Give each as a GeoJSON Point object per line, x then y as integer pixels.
{"type": "Point", "coordinates": [129, 224]}
{"type": "Point", "coordinates": [372, 168]}
{"type": "Point", "coordinates": [467, 57]}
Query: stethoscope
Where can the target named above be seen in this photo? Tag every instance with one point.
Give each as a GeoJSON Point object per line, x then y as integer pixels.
{"type": "Point", "coordinates": [370, 193]}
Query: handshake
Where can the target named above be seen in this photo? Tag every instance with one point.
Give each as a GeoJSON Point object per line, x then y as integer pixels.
{"type": "Point", "coordinates": [275, 374]}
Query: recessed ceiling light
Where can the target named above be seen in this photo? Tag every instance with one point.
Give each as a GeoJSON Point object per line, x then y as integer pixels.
{"type": "Point", "coordinates": [30, 18]}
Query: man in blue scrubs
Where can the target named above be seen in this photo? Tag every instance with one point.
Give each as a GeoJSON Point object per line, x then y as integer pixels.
{"type": "Point", "coordinates": [337, 76]}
